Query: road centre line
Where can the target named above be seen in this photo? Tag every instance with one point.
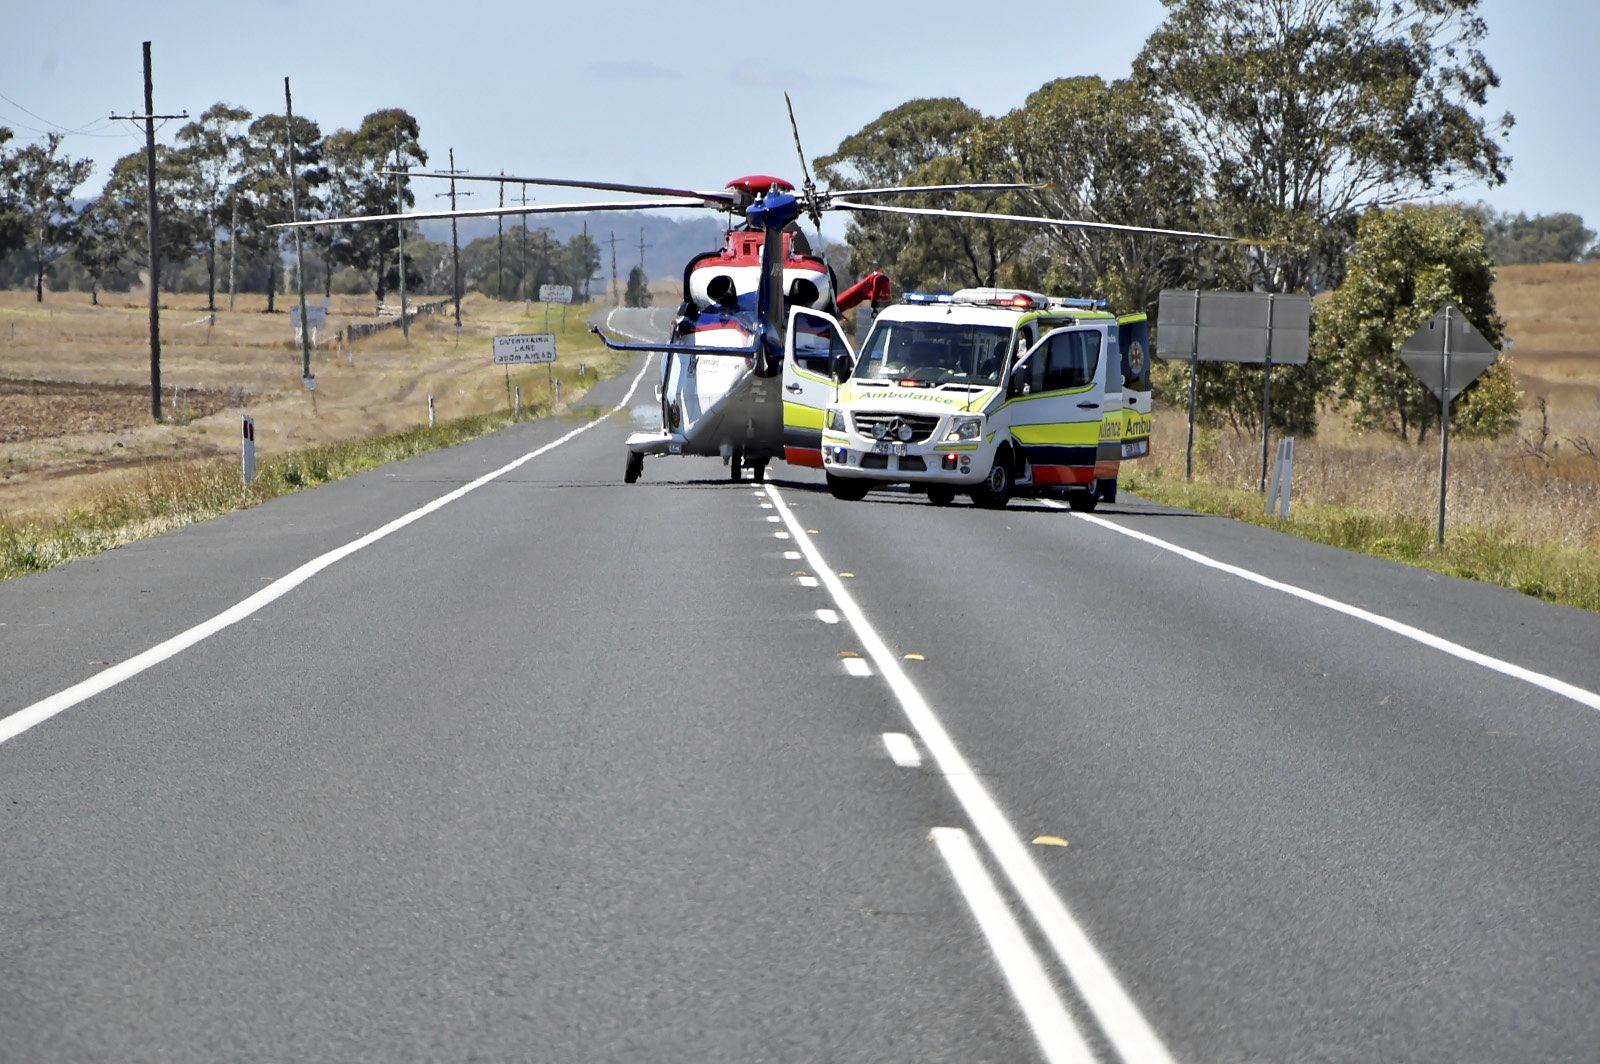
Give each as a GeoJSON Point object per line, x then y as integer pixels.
{"type": "Point", "coordinates": [902, 751]}
{"type": "Point", "coordinates": [1400, 628]}
{"type": "Point", "coordinates": [1124, 1026]}
{"type": "Point", "coordinates": [1058, 1037]}
{"type": "Point", "coordinates": [20, 721]}
{"type": "Point", "coordinates": [857, 666]}
{"type": "Point", "coordinates": [827, 616]}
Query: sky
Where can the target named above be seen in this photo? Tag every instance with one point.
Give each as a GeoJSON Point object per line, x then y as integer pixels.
{"type": "Point", "coordinates": [653, 92]}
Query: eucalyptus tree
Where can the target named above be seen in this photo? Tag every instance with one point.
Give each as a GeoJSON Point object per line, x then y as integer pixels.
{"type": "Point", "coordinates": [213, 151]}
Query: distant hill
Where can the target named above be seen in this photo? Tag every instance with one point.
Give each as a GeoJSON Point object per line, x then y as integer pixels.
{"type": "Point", "coordinates": [669, 242]}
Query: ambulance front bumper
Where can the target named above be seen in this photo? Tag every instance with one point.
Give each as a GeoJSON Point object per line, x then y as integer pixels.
{"type": "Point", "coordinates": [853, 455]}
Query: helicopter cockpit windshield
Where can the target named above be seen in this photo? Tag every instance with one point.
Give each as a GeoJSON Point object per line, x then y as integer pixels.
{"type": "Point", "coordinates": [935, 352]}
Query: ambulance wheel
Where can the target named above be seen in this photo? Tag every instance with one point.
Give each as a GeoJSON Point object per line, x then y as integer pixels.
{"type": "Point", "coordinates": [940, 495]}
{"type": "Point", "coordinates": [995, 491]}
{"type": "Point", "coordinates": [635, 467]}
{"type": "Point", "coordinates": [1084, 502]}
{"type": "Point", "coordinates": [758, 471]}
{"type": "Point", "coordinates": [1106, 489]}
{"type": "Point", "coordinates": [736, 465]}
{"type": "Point", "coordinates": [848, 489]}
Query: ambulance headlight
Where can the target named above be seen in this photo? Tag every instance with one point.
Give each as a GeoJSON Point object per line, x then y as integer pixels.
{"type": "Point", "coordinates": [835, 420]}
{"type": "Point", "coordinates": [965, 428]}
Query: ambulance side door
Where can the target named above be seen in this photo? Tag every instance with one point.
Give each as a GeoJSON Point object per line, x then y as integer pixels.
{"type": "Point", "coordinates": [1057, 403]}
{"type": "Point", "coordinates": [815, 354]}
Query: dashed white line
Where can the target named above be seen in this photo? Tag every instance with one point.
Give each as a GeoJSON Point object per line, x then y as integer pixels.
{"type": "Point", "coordinates": [857, 666]}
{"type": "Point", "coordinates": [827, 617]}
{"type": "Point", "coordinates": [780, 535]}
{"type": "Point", "coordinates": [16, 723]}
{"type": "Point", "coordinates": [1058, 1037]}
{"type": "Point", "coordinates": [791, 555]}
{"type": "Point", "coordinates": [807, 581]}
{"type": "Point", "coordinates": [1400, 628]}
{"type": "Point", "coordinates": [772, 517]}
{"type": "Point", "coordinates": [902, 751]}
{"type": "Point", "coordinates": [1120, 1018]}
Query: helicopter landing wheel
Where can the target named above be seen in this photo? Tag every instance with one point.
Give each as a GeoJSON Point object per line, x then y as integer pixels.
{"type": "Point", "coordinates": [635, 467]}
{"type": "Point", "coordinates": [736, 465]}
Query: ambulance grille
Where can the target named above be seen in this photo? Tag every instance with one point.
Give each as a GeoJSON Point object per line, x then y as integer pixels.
{"type": "Point", "coordinates": [922, 425]}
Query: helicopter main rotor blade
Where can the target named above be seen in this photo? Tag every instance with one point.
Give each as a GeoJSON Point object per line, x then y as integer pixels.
{"type": "Point", "coordinates": [1063, 223]}
{"type": "Point", "coordinates": [813, 206]}
{"type": "Point", "coordinates": [897, 190]}
{"type": "Point", "coordinates": [719, 196]}
{"type": "Point", "coordinates": [502, 212]}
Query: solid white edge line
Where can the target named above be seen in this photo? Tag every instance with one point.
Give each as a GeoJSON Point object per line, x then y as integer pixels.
{"type": "Point", "coordinates": [1125, 1027]}
{"type": "Point", "coordinates": [902, 751]}
{"type": "Point", "coordinates": [20, 721]}
{"type": "Point", "coordinates": [1400, 628]}
{"type": "Point", "coordinates": [1058, 1037]}
{"type": "Point", "coordinates": [857, 667]}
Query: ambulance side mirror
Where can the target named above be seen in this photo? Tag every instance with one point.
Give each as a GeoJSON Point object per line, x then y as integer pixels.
{"type": "Point", "coordinates": [1017, 383]}
{"type": "Point", "coordinates": [843, 366]}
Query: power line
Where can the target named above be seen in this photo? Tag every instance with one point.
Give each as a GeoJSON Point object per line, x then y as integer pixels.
{"type": "Point", "coordinates": [82, 131]}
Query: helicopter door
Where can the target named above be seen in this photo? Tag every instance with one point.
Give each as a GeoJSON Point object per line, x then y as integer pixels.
{"type": "Point", "coordinates": [815, 355]}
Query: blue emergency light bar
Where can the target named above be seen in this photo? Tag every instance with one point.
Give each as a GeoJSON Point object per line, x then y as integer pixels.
{"type": "Point", "coordinates": [928, 297]}
{"type": "Point", "coordinates": [1079, 303]}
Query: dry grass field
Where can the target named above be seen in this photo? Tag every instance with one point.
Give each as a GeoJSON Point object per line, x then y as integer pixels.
{"type": "Point", "coordinates": [74, 398]}
{"type": "Point", "coordinates": [1543, 485]}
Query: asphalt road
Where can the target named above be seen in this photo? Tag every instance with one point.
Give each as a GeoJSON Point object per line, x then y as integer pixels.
{"type": "Point", "coordinates": [567, 770]}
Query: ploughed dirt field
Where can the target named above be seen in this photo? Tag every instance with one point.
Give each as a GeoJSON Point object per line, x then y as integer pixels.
{"type": "Point", "coordinates": [38, 410]}
{"type": "Point", "coordinates": [74, 382]}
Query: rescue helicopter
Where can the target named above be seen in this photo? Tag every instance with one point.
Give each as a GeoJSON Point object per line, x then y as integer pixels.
{"type": "Point", "coordinates": [757, 349]}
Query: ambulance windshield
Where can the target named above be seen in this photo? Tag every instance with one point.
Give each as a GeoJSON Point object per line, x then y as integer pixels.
{"type": "Point", "coordinates": [935, 352]}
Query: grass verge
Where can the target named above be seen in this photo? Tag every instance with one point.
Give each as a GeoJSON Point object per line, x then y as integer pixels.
{"type": "Point", "coordinates": [1555, 573]}
{"type": "Point", "coordinates": [182, 495]}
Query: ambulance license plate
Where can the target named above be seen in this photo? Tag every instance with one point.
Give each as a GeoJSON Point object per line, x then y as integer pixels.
{"type": "Point", "coordinates": [888, 447]}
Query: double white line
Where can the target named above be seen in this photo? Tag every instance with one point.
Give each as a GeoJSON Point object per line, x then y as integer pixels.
{"type": "Point", "coordinates": [1124, 1026]}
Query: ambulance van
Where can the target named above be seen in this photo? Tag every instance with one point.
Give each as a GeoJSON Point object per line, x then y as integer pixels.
{"type": "Point", "coordinates": [990, 393]}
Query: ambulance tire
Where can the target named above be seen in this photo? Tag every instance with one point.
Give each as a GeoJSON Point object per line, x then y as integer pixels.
{"type": "Point", "coordinates": [940, 495]}
{"type": "Point", "coordinates": [631, 474]}
{"type": "Point", "coordinates": [1084, 502]}
{"type": "Point", "coordinates": [1107, 489]}
{"type": "Point", "coordinates": [758, 471]}
{"type": "Point", "coordinates": [848, 489]}
{"type": "Point", "coordinates": [736, 465]}
{"type": "Point", "coordinates": [995, 491]}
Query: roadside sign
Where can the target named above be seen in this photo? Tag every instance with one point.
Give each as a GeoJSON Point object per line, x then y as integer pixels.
{"type": "Point", "coordinates": [1470, 353]}
{"type": "Point", "coordinates": [555, 293]}
{"type": "Point", "coordinates": [524, 348]}
{"type": "Point", "coordinates": [310, 383]}
{"type": "Point", "coordinates": [1446, 354]}
{"type": "Point", "coordinates": [1234, 327]}
{"type": "Point", "coordinates": [318, 316]}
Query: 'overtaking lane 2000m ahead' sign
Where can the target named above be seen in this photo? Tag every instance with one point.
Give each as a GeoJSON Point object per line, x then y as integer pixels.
{"type": "Point", "coordinates": [535, 348]}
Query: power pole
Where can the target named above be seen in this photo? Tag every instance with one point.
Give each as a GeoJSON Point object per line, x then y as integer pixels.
{"type": "Point", "coordinates": [500, 248]}
{"type": "Point", "coordinates": [642, 246]}
{"type": "Point", "coordinates": [152, 227]}
{"type": "Point", "coordinates": [233, 245]}
{"type": "Point", "coordinates": [455, 243]}
{"type": "Point", "coordinates": [400, 233]}
{"type": "Point", "coordinates": [522, 275]}
{"type": "Point", "coordinates": [616, 293]}
{"type": "Point", "coordinates": [299, 249]}
{"type": "Point", "coordinates": [586, 270]}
